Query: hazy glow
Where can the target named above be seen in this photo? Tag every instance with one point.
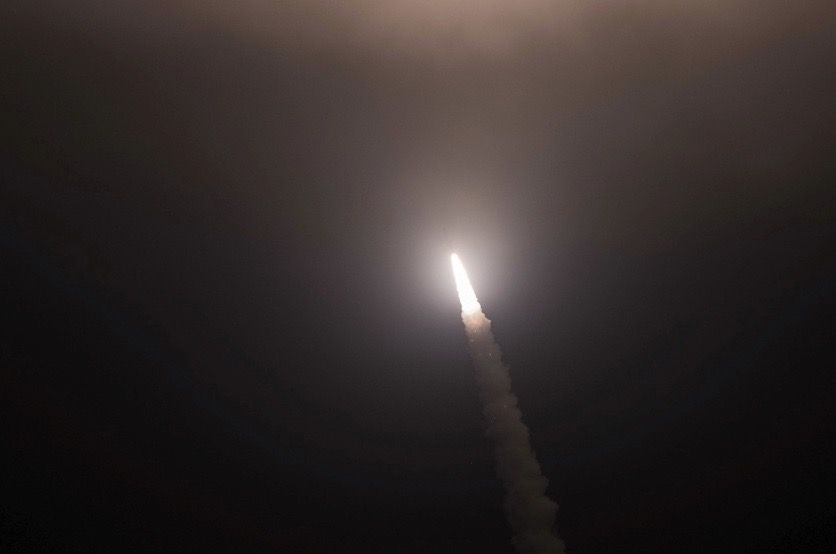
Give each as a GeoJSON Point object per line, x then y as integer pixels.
{"type": "Point", "coordinates": [466, 295]}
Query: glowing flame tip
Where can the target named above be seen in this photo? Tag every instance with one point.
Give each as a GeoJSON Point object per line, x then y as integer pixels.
{"type": "Point", "coordinates": [467, 297]}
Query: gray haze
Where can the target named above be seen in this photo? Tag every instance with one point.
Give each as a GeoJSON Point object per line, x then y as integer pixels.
{"type": "Point", "coordinates": [272, 187]}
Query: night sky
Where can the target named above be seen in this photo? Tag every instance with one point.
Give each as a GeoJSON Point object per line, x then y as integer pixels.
{"type": "Point", "coordinates": [229, 320]}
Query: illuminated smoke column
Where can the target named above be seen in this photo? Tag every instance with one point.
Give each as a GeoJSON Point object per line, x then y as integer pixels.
{"type": "Point", "coordinates": [530, 512]}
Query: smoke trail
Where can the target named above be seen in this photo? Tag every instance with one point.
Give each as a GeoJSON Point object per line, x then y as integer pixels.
{"type": "Point", "coordinates": [530, 512]}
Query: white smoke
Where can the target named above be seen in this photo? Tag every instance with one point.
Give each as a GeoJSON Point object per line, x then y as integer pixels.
{"type": "Point", "coordinates": [530, 512]}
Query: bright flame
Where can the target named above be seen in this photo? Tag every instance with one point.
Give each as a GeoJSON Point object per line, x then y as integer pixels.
{"type": "Point", "coordinates": [466, 295]}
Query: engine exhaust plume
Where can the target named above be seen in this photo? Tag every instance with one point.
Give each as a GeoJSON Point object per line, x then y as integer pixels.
{"type": "Point", "coordinates": [529, 511]}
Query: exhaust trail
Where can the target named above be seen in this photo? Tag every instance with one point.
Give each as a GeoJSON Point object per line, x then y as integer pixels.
{"type": "Point", "coordinates": [529, 511]}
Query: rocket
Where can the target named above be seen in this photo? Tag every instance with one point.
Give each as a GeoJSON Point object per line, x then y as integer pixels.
{"type": "Point", "coordinates": [467, 297]}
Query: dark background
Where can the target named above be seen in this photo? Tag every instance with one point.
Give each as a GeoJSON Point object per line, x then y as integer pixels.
{"type": "Point", "coordinates": [229, 318]}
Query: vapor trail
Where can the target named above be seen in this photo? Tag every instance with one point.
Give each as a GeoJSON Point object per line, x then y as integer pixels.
{"type": "Point", "coordinates": [530, 512]}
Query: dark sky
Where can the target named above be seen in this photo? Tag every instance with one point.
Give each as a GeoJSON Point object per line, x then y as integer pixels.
{"type": "Point", "coordinates": [229, 316]}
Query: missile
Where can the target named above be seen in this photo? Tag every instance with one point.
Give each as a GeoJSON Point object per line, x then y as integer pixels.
{"type": "Point", "coordinates": [467, 297]}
